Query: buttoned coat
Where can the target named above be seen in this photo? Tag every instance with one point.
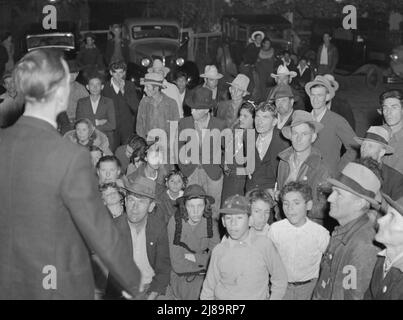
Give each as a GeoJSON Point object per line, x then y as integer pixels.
{"type": "Point", "coordinates": [52, 217]}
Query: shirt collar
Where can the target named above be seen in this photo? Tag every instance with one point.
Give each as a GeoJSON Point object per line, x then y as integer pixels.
{"type": "Point", "coordinates": [396, 263]}
{"type": "Point", "coordinates": [348, 231]}
{"type": "Point", "coordinates": [204, 123]}
{"type": "Point", "coordinates": [321, 115]}
{"type": "Point", "coordinates": [232, 243]}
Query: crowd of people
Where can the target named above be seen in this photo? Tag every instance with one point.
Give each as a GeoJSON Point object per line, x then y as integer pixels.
{"type": "Point", "coordinates": [96, 203]}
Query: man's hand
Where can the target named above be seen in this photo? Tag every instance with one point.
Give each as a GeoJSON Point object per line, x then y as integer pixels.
{"type": "Point", "coordinates": [190, 257]}
{"type": "Point", "coordinates": [100, 122]}
{"type": "Point", "coordinates": [275, 194]}
{"type": "Point", "coordinates": [152, 296]}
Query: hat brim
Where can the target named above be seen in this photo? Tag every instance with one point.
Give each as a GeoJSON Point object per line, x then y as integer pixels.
{"type": "Point", "coordinates": [254, 34]}
{"type": "Point", "coordinates": [389, 149]}
{"type": "Point", "coordinates": [395, 205]}
{"type": "Point", "coordinates": [309, 85]}
{"type": "Point", "coordinates": [192, 105]}
{"type": "Point", "coordinates": [286, 131]}
{"type": "Point", "coordinates": [340, 185]}
{"type": "Point", "coordinates": [232, 211]}
{"type": "Point", "coordinates": [238, 87]}
{"type": "Point", "coordinates": [209, 198]}
{"type": "Point", "coordinates": [166, 70]}
{"type": "Point", "coordinates": [156, 83]}
{"type": "Point", "coordinates": [218, 76]}
{"type": "Point", "coordinates": [292, 74]}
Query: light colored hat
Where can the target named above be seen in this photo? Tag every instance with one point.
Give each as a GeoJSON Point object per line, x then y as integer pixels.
{"type": "Point", "coordinates": [332, 81]}
{"type": "Point", "coordinates": [359, 180]}
{"type": "Point", "coordinates": [321, 81]}
{"type": "Point", "coordinates": [211, 72]}
{"type": "Point", "coordinates": [153, 78]}
{"type": "Point", "coordinates": [377, 134]}
{"type": "Point", "coordinates": [254, 34]}
{"type": "Point", "coordinates": [158, 66]}
{"type": "Point", "coordinates": [300, 117]}
{"type": "Point", "coordinates": [283, 71]}
{"type": "Point", "coordinates": [241, 82]}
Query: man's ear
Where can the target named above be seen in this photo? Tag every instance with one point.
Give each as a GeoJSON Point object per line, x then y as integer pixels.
{"type": "Point", "coordinates": [382, 153]}
{"type": "Point", "coordinates": [102, 87]}
{"type": "Point", "coordinates": [275, 121]}
{"type": "Point", "coordinates": [151, 206]}
{"type": "Point", "coordinates": [327, 97]}
{"type": "Point", "coordinates": [309, 205]}
{"type": "Point", "coordinates": [88, 88]}
{"type": "Point", "coordinates": [314, 137]}
{"type": "Point", "coordinates": [223, 221]}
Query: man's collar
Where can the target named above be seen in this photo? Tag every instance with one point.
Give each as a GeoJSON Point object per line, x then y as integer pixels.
{"type": "Point", "coordinates": [40, 117]}
{"type": "Point", "coordinates": [248, 240]}
{"type": "Point", "coordinates": [350, 228]}
{"type": "Point", "coordinates": [396, 264]}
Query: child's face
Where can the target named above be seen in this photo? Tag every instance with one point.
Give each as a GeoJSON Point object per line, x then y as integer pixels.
{"type": "Point", "coordinates": [175, 184]}
{"type": "Point", "coordinates": [260, 213]}
{"type": "Point", "coordinates": [237, 225]}
{"type": "Point", "coordinates": [195, 208]}
{"type": "Point", "coordinates": [83, 132]}
{"type": "Point", "coordinates": [295, 208]}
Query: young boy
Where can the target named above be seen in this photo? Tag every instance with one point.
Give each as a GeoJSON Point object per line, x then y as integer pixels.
{"type": "Point", "coordinates": [261, 204]}
{"type": "Point", "coordinates": [241, 264]}
{"type": "Point", "coordinates": [299, 241]}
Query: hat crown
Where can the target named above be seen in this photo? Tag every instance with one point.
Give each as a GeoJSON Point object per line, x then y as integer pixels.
{"type": "Point", "coordinates": [241, 81]}
{"type": "Point", "coordinates": [157, 64]}
{"type": "Point", "coordinates": [301, 116]}
{"type": "Point", "coordinates": [235, 204]}
{"type": "Point", "coordinates": [282, 69]}
{"type": "Point", "coordinates": [281, 91]}
{"type": "Point", "coordinates": [382, 132]}
{"type": "Point", "coordinates": [194, 191]}
{"type": "Point", "coordinates": [201, 97]}
{"type": "Point", "coordinates": [363, 176]}
{"type": "Point", "coordinates": [140, 185]}
{"type": "Point", "coordinates": [211, 69]}
{"type": "Point", "coordinates": [154, 76]}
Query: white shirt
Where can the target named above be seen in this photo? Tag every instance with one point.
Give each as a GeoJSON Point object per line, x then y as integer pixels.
{"type": "Point", "coordinates": [281, 123]}
{"type": "Point", "coordinates": [94, 104]}
{"type": "Point", "coordinates": [182, 97]}
{"type": "Point", "coordinates": [264, 231]}
{"type": "Point", "coordinates": [172, 91]}
{"type": "Point", "coordinates": [323, 56]}
{"type": "Point", "coordinates": [115, 87]}
{"type": "Point", "coordinates": [263, 143]}
{"type": "Point", "coordinates": [140, 256]}
{"type": "Point", "coordinates": [301, 71]}
{"type": "Point", "coordinates": [301, 249]}
{"type": "Point", "coordinates": [320, 117]}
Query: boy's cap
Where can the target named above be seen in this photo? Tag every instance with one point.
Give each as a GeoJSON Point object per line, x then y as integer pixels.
{"type": "Point", "coordinates": [235, 205]}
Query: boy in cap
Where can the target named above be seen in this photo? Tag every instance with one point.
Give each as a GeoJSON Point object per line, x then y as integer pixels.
{"type": "Point", "coordinates": [303, 162]}
{"type": "Point", "coordinates": [349, 260]}
{"type": "Point", "coordinates": [299, 241]}
{"type": "Point", "coordinates": [97, 108]}
{"type": "Point", "coordinates": [375, 145]}
{"type": "Point", "coordinates": [387, 278]}
{"type": "Point", "coordinates": [241, 265]}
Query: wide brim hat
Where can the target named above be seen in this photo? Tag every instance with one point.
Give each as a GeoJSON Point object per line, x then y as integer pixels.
{"type": "Point", "coordinates": [159, 66]}
{"type": "Point", "coordinates": [300, 117]}
{"type": "Point", "coordinates": [283, 71]}
{"type": "Point", "coordinates": [140, 185]}
{"type": "Point", "coordinates": [332, 81]}
{"type": "Point", "coordinates": [379, 135]}
{"type": "Point", "coordinates": [254, 34]}
{"type": "Point", "coordinates": [200, 98]}
{"type": "Point", "coordinates": [195, 191]}
{"type": "Point", "coordinates": [211, 72]}
{"type": "Point", "coordinates": [153, 78]}
{"type": "Point", "coordinates": [360, 181]}
{"type": "Point", "coordinates": [240, 82]}
{"type": "Point", "coordinates": [236, 204]}
{"type": "Point", "coordinates": [322, 81]}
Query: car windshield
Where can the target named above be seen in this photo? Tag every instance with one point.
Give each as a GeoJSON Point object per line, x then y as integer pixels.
{"type": "Point", "coordinates": [155, 31]}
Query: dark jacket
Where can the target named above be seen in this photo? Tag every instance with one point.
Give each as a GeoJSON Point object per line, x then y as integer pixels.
{"type": "Point", "coordinates": [392, 183]}
{"type": "Point", "coordinates": [52, 216]}
{"type": "Point", "coordinates": [265, 173]}
{"type": "Point", "coordinates": [347, 265]}
{"type": "Point", "coordinates": [214, 171]}
{"type": "Point", "coordinates": [388, 288]}
{"type": "Point", "coordinates": [315, 172]}
{"type": "Point", "coordinates": [157, 253]}
{"type": "Point", "coordinates": [343, 108]}
{"type": "Point", "coordinates": [332, 56]}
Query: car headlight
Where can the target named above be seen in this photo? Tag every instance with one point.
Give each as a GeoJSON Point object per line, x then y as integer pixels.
{"type": "Point", "coordinates": [145, 62]}
{"type": "Point", "coordinates": [394, 56]}
{"type": "Point", "coordinates": [180, 62]}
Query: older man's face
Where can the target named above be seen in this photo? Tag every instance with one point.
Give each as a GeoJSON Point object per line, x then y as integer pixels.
{"type": "Point", "coordinates": [318, 97]}
{"type": "Point", "coordinates": [390, 231]}
{"type": "Point", "coordinates": [341, 204]}
{"type": "Point", "coordinates": [370, 149]}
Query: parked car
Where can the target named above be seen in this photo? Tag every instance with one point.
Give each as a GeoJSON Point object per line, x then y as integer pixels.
{"type": "Point", "coordinates": [150, 39]}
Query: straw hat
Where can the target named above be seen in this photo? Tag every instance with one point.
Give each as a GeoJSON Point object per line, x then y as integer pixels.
{"type": "Point", "coordinates": [359, 180]}
{"type": "Point", "coordinates": [332, 81]}
{"type": "Point", "coordinates": [240, 82]}
{"type": "Point", "coordinates": [300, 117]}
{"type": "Point", "coordinates": [157, 67]}
{"type": "Point", "coordinates": [254, 34]}
{"type": "Point", "coordinates": [322, 81]}
{"type": "Point", "coordinates": [153, 78]}
{"type": "Point", "coordinates": [211, 72]}
{"type": "Point", "coordinates": [283, 71]}
{"type": "Point", "coordinates": [377, 134]}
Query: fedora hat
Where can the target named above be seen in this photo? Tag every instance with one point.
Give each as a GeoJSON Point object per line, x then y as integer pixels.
{"type": "Point", "coordinates": [240, 82]}
{"type": "Point", "coordinates": [140, 185]}
{"type": "Point", "coordinates": [196, 191]}
{"type": "Point", "coordinates": [211, 72]}
{"type": "Point", "coordinates": [281, 91]}
{"type": "Point", "coordinates": [359, 180]}
{"type": "Point", "coordinates": [236, 204]}
{"type": "Point", "coordinates": [321, 81]}
{"type": "Point", "coordinates": [332, 81]}
{"type": "Point", "coordinates": [254, 34]}
{"type": "Point", "coordinates": [283, 71]}
{"type": "Point", "coordinates": [200, 98]}
{"type": "Point", "coordinates": [300, 117]}
{"type": "Point", "coordinates": [153, 78]}
{"type": "Point", "coordinates": [377, 134]}
{"type": "Point", "coordinates": [158, 66]}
